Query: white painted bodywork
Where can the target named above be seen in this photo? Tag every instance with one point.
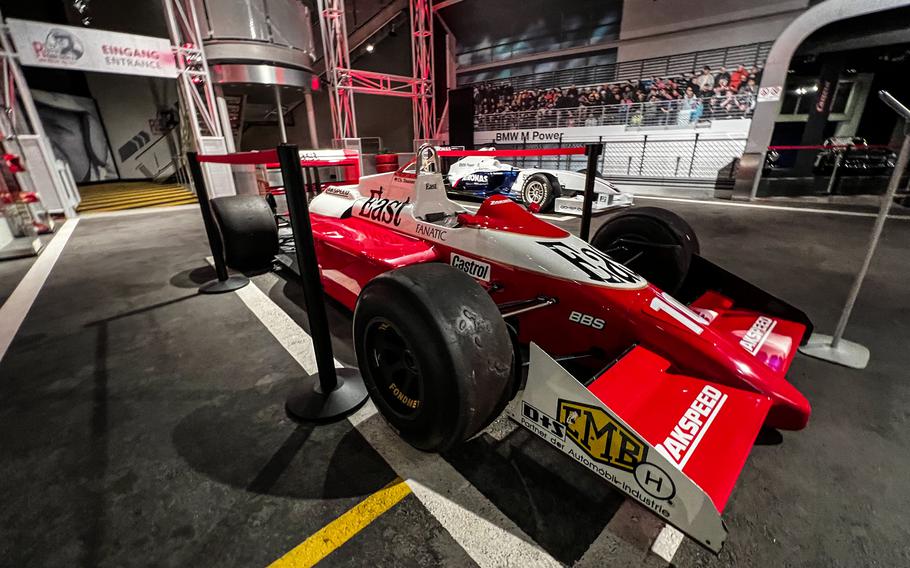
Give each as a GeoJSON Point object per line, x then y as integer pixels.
{"type": "Point", "coordinates": [571, 184]}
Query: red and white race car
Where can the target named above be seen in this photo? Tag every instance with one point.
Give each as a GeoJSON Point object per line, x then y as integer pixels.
{"type": "Point", "coordinates": [647, 364]}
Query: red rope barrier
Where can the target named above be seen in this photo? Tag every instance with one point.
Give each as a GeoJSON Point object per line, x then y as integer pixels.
{"type": "Point", "coordinates": [341, 163]}
{"type": "Point", "coordinates": [575, 151]}
{"type": "Point", "coordinates": [828, 147]}
{"type": "Point", "coordinates": [249, 158]}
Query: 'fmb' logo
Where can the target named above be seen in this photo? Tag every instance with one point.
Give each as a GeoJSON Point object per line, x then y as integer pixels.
{"type": "Point", "coordinates": [600, 436]}
{"type": "Point", "coordinates": [60, 45]}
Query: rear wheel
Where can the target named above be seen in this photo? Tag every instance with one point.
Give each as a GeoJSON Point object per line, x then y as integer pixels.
{"type": "Point", "coordinates": [656, 243]}
{"type": "Point", "coordinates": [434, 352]}
{"type": "Point", "coordinates": [248, 231]}
{"type": "Point", "coordinates": [539, 190]}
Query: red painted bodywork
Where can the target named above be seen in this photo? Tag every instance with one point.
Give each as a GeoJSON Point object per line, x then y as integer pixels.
{"type": "Point", "coordinates": [503, 214]}
{"type": "Point", "coordinates": [640, 388]}
{"type": "Point", "coordinates": [352, 251]}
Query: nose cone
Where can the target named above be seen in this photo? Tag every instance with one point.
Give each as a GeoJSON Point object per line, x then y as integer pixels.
{"type": "Point", "coordinates": [790, 410]}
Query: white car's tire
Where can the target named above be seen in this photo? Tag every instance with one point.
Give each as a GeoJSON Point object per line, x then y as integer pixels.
{"type": "Point", "coordinates": [539, 190]}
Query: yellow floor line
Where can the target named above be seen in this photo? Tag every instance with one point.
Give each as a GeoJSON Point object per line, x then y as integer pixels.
{"type": "Point", "coordinates": [342, 529]}
{"type": "Point", "coordinates": [111, 189]}
{"type": "Point", "coordinates": [133, 198]}
{"type": "Point", "coordinates": [140, 200]}
{"type": "Point", "coordinates": [100, 194]}
{"type": "Point", "coordinates": [171, 203]}
{"type": "Point", "coordinates": [126, 194]}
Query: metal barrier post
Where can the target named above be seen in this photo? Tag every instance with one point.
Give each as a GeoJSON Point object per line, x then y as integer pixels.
{"type": "Point", "coordinates": [330, 393]}
{"type": "Point", "coordinates": [224, 283]}
{"type": "Point", "coordinates": [833, 180]}
{"type": "Point", "coordinates": [592, 151]}
{"type": "Point", "coordinates": [834, 348]}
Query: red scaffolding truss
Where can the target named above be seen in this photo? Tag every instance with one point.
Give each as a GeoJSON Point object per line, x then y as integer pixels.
{"type": "Point", "coordinates": [343, 81]}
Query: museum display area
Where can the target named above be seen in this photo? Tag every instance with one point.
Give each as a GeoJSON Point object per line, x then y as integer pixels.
{"type": "Point", "coordinates": [454, 283]}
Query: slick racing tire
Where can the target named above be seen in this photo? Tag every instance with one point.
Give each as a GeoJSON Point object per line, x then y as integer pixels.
{"type": "Point", "coordinates": [539, 190]}
{"type": "Point", "coordinates": [656, 243]}
{"type": "Point", "coordinates": [434, 352]}
{"type": "Point", "coordinates": [248, 230]}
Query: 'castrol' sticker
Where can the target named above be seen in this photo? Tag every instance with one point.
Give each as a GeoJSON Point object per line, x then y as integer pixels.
{"type": "Point", "coordinates": [471, 266]}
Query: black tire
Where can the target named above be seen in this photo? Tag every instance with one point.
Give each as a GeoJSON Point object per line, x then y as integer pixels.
{"type": "Point", "coordinates": [434, 352]}
{"type": "Point", "coordinates": [248, 230]}
{"type": "Point", "coordinates": [539, 189]}
{"type": "Point", "coordinates": [665, 267]}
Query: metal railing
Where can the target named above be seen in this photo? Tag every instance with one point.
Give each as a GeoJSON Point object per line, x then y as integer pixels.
{"type": "Point", "coordinates": [697, 158]}
{"type": "Point", "coordinates": [678, 113]}
{"type": "Point", "coordinates": [669, 66]}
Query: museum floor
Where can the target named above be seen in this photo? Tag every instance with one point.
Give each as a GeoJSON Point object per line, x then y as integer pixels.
{"type": "Point", "coordinates": [143, 424]}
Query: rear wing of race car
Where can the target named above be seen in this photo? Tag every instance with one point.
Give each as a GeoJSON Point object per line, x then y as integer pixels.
{"type": "Point", "coordinates": [673, 443]}
{"type": "Point", "coordinates": [704, 276]}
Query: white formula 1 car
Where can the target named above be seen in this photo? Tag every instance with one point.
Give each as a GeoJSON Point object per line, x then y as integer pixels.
{"type": "Point", "coordinates": [557, 190]}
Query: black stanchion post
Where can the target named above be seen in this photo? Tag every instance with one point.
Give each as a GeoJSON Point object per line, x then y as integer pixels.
{"type": "Point", "coordinates": [330, 393]}
{"type": "Point", "coordinates": [591, 151]}
{"type": "Point", "coordinates": [224, 283]}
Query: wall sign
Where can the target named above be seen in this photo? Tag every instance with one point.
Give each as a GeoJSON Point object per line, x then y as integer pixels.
{"type": "Point", "coordinates": [769, 94]}
{"type": "Point", "coordinates": [41, 44]}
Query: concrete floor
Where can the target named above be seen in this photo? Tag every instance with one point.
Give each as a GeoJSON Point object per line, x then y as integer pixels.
{"type": "Point", "coordinates": [11, 272]}
{"type": "Point", "coordinates": [143, 424]}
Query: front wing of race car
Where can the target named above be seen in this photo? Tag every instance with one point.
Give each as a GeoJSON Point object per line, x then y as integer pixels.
{"type": "Point", "coordinates": [603, 201]}
{"type": "Point", "coordinates": [676, 444]}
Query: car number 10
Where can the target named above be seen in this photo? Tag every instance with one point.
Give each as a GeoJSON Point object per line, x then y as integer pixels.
{"type": "Point", "coordinates": [669, 305]}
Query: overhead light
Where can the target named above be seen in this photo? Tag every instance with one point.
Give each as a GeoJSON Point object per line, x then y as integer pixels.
{"type": "Point", "coordinates": [370, 48]}
{"type": "Point", "coordinates": [814, 88]}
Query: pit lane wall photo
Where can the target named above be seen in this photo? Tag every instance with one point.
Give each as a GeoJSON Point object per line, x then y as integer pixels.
{"type": "Point", "coordinates": [694, 161]}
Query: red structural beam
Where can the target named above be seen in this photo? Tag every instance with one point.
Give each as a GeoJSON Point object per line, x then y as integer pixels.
{"type": "Point", "coordinates": [255, 157]}
{"type": "Point", "coordinates": [574, 151]}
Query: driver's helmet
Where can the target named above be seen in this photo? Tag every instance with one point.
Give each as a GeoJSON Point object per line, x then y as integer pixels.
{"type": "Point", "coordinates": [427, 160]}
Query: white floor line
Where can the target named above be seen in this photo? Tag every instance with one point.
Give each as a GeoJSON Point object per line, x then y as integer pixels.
{"type": "Point", "coordinates": [290, 335]}
{"type": "Point", "coordinates": [667, 543]}
{"type": "Point", "coordinates": [488, 536]}
{"type": "Point", "coordinates": [774, 207]}
{"type": "Point", "coordinates": [17, 306]}
{"type": "Point", "coordinates": [140, 211]}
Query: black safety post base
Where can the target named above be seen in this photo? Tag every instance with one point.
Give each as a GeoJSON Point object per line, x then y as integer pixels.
{"type": "Point", "coordinates": [221, 286]}
{"type": "Point", "coordinates": [307, 402]}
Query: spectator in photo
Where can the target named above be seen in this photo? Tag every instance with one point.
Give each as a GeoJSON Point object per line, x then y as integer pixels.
{"type": "Point", "coordinates": [638, 109]}
{"type": "Point", "coordinates": [755, 73]}
{"type": "Point", "coordinates": [705, 80]}
{"type": "Point", "coordinates": [738, 77]}
{"type": "Point", "coordinates": [749, 92]}
{"type": "Point", "coordinates": [686, 107]}
{"type": "Point", "coordinates": [697, 111]}
{"type": "Point", "coordinates": [675, 99]}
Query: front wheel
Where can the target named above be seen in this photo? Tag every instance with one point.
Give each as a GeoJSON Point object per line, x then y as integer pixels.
{"type": "Point", "coordinates": [434, 352]}
{"type": "Point", "coordinates": [538, 190]}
